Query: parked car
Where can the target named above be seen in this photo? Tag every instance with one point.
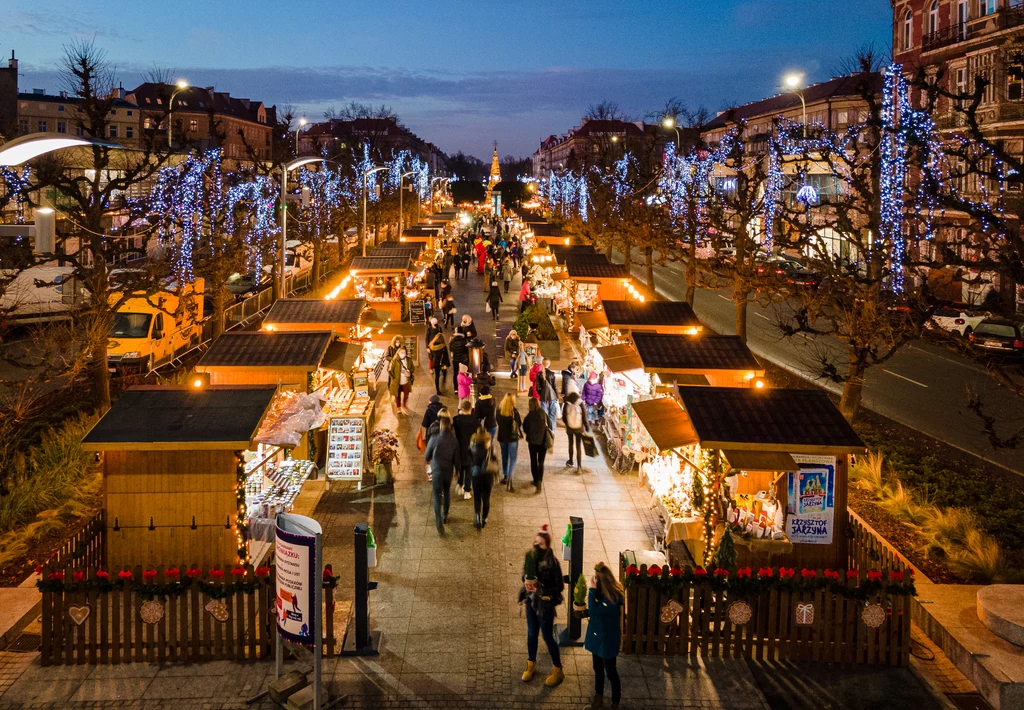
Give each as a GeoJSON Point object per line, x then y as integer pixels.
{"type": "Point", "coordinates": [245, 285]}
{"type": "Point", "coordinates": [805, 278]}
{"type": "Point", "coordinates": [998, 336]}
{"type": "Point", "coordinates": [955, 318]}
{"type": "Point", "coordinates": [778, 266]}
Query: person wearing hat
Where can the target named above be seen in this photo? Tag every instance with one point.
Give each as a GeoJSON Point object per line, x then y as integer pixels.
{"type": "Point", "coordinates": [542, 594]}
{"type": "Point", "coordinates": [467, 327]}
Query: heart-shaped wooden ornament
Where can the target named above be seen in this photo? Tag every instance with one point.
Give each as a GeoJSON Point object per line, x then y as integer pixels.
{"type": "Point", "coordinates": [79, 614]}
{"type": "Point", "coordinates": [152, 612]}
{"type": "Point", "coordinates": [218, 609]}
{"type": "Point", "coordinates": [670, 611]}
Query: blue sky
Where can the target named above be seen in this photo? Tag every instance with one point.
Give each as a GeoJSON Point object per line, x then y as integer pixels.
{"type": "Point", "coordinates": [460, 73]}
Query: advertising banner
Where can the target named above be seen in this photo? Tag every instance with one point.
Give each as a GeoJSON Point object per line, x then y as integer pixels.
{"type": "Point", "coordinates": [298, 572]}
{"type": "Point", "coordinates": [810, 512]}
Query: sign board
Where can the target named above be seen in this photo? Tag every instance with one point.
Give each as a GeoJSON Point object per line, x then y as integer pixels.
{"type": "Point", "coordinates": [298, 577]}
{"type": "Point", "coordinates": [417, 312]}
{"type": "Point", "coordinates": [810, 513]}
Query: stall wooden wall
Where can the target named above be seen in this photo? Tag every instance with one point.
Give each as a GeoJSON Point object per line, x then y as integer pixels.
{"type": "Point", "coordinates": [611, 290]}
{"type": "Point", "coordinates": [289, 379]}
{"type": "Point", "coordinates": [169, 487]}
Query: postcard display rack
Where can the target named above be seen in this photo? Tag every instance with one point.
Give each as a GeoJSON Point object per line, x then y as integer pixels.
{"type": "Point", "coordinates": [346, 447]}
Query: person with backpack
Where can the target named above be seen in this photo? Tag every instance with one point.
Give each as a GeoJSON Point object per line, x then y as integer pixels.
{"type": "Point", "coordinates": [542, 594]}
{"type": "Point", "coordinates": [574, 416]}
{"type": "Point", "coordinates": [510, 430]}
{"type": "Point", "coordinates": [443, 455]}
{"type": "Point", "coordinates": [604, 610]}
{"type": "Point", "coordinates": [480, 454]}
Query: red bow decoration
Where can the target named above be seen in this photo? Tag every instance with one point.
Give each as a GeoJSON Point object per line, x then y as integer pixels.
{"type": "Point", "coordinates": [194, 572]}
{"type": "Point", "coordinates": [852, 574]}
{"type": "Point", "coordinates": [262, 571]}
{"type": "Point", "coordinates": [743, 572]}
{"type": "Point", "coordinates": [125, 574]}
{"type": "Point", "coordinates": [700, 572]}
{"type": "Point", "coordinates": [78, 576]}
{"type": "Point", "coordinates": [675, 572]}
{"type": "Point", "coordinates": [172, 573]}
{"type": "Point", "coordinates": [654, 571]}
{"type": "Point", "coordinates": [217, 573]}
{"type": "Point", "coordinates": [238, 571]}
{"type": "Point", "coordinates": [328, 574]}
{"type": "Point", "coordinates": [831, 574]}
{"type": "Point", "coordinates": [874, 575]}
{"type": "Point", "coordinates": [721, 573]}
{"type": "Point", "coordinates": [808, 573]}
{"type": "Point", "coordinates": [786, 573]}
{"type": "Point", "coordinates": [149, 574]}
{"type": "Point", "coordinates": [765, 572]}
{"type": "Point", "coordinates": [632, 570]}
{"type": "Point", "coordinates": [896, 575]}
{"type": "Point", "coordinates": [102, 574]}
{"type": "Point", "coordinates": [56, 576]}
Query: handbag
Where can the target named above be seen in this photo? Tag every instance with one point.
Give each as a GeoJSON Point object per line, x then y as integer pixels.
{"type": "Point", "coordinates": [549, 438]}
{"type": "Point", "coordinates": [517, 427]}
{"type": "Point", "coordinates": [421, 444]}
{"type": "Point", "coordinates": [589, 445]}
{"type": "Point", "coordinates": [491, 466]}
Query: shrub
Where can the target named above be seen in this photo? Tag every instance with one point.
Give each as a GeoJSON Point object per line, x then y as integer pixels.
{"type": "Point", "coordinates": [946, 529]}
{"type": "Point", "coordinates": [866, 474]}
{"type": "Point", "coordinates": [535, 314]}
{"type": "Point", "coordinates": [902, 504]}
{"type": "Point", "coordinates": [979, 560]}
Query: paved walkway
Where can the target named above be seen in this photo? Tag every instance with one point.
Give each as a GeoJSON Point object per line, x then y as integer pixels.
{"type": "Point", "coordinates": [453, 632]}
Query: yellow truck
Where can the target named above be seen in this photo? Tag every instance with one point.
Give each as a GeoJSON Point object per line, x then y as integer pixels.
{"type": "Point", "coordinates": [150, 331]}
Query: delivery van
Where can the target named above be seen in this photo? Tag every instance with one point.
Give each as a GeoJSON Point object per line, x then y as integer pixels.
{"type": "Point", "coordinates": [150, 331]}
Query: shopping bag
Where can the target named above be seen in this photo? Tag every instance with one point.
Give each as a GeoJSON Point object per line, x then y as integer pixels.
{"type": "Point", "coordinates": [421, 444]}
{"type": "Point", "coordinates": [487, 306]}
{"type": "Point", "coordinates": [589, 445]}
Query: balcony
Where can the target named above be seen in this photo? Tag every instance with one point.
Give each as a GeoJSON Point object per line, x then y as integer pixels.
{"type": "Point", "coordinates": [943, 38]}
{"type": "Point", "coordinates": [1004, 19]}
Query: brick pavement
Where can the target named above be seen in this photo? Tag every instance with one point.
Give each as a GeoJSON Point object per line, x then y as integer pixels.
{"type": "Point", "coordinates": [453, 632]}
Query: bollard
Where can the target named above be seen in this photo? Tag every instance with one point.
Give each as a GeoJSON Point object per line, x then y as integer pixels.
{"type": "Point", "coordinates": [360, 641]}
{"type": "Point", "coordinates": [574, 630]}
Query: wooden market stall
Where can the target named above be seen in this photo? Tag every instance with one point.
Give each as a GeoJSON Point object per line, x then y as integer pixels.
{"type": "Point", "coordinates": [562, 252]}
{"type": "Point", "coordinates": [383, 281]}
{"type": "Point", "coordinates": [340, 316]}
{"type": "Point", "coordinates": [710, 360]}
{"type": "Point", "coordinates": [774, 465]}
{"type": "Point", "coordinates": [173, 472]}
{"type": "Point", "coordinates": [595, 279]}
{"type": "Point", "coordinates": [286, 358]}
{"type": "Point", "coordinates": [671, 317]}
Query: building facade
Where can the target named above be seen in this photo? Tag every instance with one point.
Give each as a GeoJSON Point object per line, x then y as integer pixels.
{"type": "Point", "coordinates": [39, 112]}
{"type": "Point", "coordinates": [595, 139]}
{"type": "Point", "coordinates": [384, 136]}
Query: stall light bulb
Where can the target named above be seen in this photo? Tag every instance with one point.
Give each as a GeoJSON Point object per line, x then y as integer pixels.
{"type": "Point", "coordinates": [749, 376]}
{"type": "Point", "coordinates": [198, 382]}
{"type": "Point", "coordinates": [759, 384]}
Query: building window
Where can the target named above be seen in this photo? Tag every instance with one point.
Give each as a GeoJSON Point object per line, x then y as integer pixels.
{"type": "Point", "coordinates": [1014, 74]}
{"type": "Point", "coordinates": [62, 127]}
{"type": "Point", "coordinates": [933, 18]}
{"type": "Point", "coordinates": [962, 15]}
{"type": "Point", "coordinates": [842, 118]}
{"type": "Point", "coordinates": [130, 114]}
{"type": "Point", "coordinates": [193, 125]}
{"type": "Point", "coordinates": [42, 126]}
{"type": "Point", "coordinates": [23, 125]}
{"type": "Point", "coordinates": [129, 131]}
{"type": "Point", "coordinates": [908, 30]}
{"type": "Point", "coordinates": [60, 107]}
{"type": "Point", "coordinates": [986, 8]}
{"type": "Point", "coordinates": [147, 124]}
{"type": "Point", "coordinates": [113, 131]}
{"type": "Point", "coordinates": [79, 131]}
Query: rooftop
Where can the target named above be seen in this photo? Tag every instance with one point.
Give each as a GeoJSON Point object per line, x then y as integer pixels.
{"type": "Point", "coordinates": [686, 352]}
{"type": "Point", "coordinates": [381, 263]}
{"type": "Point", "coordinates": [628, 314]}
{"type": "Point", "coordinates": [148, 418]}
{"type": "Point", "coordinates": [594, 266]}
{"type": "Point", "coordinates": [315, 310]}
{"type": "Point", "coordinates": [303, 349]}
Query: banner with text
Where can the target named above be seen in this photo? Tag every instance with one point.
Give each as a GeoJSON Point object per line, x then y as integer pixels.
{"type": "Point", "coordinates": [297, 576]}
{"type": "Point", "coordinates": [810, 512]}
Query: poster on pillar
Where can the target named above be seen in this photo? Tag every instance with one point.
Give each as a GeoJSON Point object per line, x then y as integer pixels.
{"type": "Point", "coordinates": [810, 511]}
{"type": "Point", "coordinates": [296, 579]}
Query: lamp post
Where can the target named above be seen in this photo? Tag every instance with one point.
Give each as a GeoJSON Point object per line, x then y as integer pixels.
{"type": "Point", "coordinates": [285, 169]}
{"type": "Point", "coordinates": [302, 122]}
{"type": "Point", "coordinates": [793, 83]}
{"type": "Point", "coordinates": [367, 173]}
{"type": "Point", "coordinates": [432, 191]}
{"type": "Point", "coordinates": [182, 86]}
{"type": "Point", "coordinates": [670, 122]}
{"type": "Point", "coordinates": [401, 213]}
{"type": "Point", "coordinates": [25, 148]}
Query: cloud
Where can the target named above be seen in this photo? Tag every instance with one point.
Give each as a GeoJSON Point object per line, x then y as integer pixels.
{"type": "Point", "coordinates": [63, 25]}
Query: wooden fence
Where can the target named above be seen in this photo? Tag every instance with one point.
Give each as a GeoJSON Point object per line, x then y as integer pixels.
{"type": "Point", "coordinates": [837, 631]}
{"type": "Point", "coordinates": [867, 550]}
{"type": "Point", "coordinates": [210, 618]}
{"type": "Point", "coordinates": [83, 550]}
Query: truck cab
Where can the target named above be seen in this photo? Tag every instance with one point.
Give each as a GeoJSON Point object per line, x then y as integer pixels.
{"type": "Point", "coordinates": [150, 331]}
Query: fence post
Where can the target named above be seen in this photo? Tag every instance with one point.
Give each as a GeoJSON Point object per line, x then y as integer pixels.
{"type": "Point", "coordinates": [570, 636]}
{"type": "Point", "coordinates": [362, 642]}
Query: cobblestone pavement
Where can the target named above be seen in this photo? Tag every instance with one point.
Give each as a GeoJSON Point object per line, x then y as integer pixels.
{"type": "Point", "coordinates": [453, 634]}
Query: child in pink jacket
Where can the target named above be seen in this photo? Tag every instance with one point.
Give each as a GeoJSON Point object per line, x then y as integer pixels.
{"type": "Point", "coordinates": [464, 381]}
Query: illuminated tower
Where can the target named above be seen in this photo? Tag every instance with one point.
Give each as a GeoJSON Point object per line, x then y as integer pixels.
{"type": "Point", "coordinates": [495, 177]}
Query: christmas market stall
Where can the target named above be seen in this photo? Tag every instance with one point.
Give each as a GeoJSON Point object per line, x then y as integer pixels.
{"type": "Point", "coordinates": [592, 279]}
{"type": "Point", "coordinates": [715, 360]}
{"type": "Point", "coordinates": [760, 470]}
{"type": "Point", "coordinates": [385, 282]}
{"type": "Point", "coordinates": [340, 316]}
{"type": "Point", "coordinates": [672, 317]}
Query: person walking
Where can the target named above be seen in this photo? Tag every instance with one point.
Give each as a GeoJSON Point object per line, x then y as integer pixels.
{"type": "Point", "coordinates": [458, 350]}
{"type": "Point", "coordinates": [544, 390]}
{"type": "Point", "coordinates": [512, 348]}
{"type": "Point", "coordinates": [593, 394]}
{"type": "Point", "coordinates": [506, 273]}
{"type": "Point", "coordinates": [465, 382]}
{"type": "Point", "coordinates": [604, 610]}
{"type": "Point", "coordinates": [443, 455]}
{"type": "Point", "coordinates": [524, 295]}
{"type": "Point", "coordinates": [574, 416]}
{"type": "Point", "coordinates": [480, 453]}
{"type": "Point", "coordinates": [440, 361]}
{"type": "Point", "coordinates": [430, 416]}
{"type": "Point", "coordinates": [448, 310]}
{"type": "Point", "coordinates": [535, 427]}
{"type": "Point", "coordinates": [510, 431]}
{"type": "Point", "coordinates": [400, 379]}
{"type": "Point", "coordinates": [494, 300]}
{"type": "Point", "coordinates": [464, 425]}
{"type": "Point", "coordinates": [484, 410]}
{"type": "Point", "coordinates": [467, 327]}
{"type": "Point", "coordinates": [542, 594]}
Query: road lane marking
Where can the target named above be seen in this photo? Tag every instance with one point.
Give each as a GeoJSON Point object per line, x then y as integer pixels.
{"type": "Point", "coordinates": [724, 298]}
{"type": "Point", "coordinates": [761, 315]}
{"type": "Point", "coordinates": [919, 384]}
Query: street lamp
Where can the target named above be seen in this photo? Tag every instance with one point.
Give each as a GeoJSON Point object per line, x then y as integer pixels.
{"type": "Point", "coordinates": [182, 86]}
{"type": "Point", "coordinates": [367, 173]}
{"type": "Point", "coordinates": [794, 82]}
{"type": "Point", "coordinates": [448, 180]}
{"type": "Point", "coordinates": [285, 169]}
{"type": "Point", "coordinates": [25, 148]}
{"type": "Point", "coordinates": [302, 122]}
{"type": "Point", "coordinates": [670, 122]}
{"type": "Point", "coordinates": [401, 214]}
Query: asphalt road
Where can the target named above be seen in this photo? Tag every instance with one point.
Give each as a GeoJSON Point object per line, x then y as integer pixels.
{"type": "Point", "coordinates": [923, 386]}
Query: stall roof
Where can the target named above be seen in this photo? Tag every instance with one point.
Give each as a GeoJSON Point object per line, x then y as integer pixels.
{"type": "Point", "coordinates": [152, 418]}
{"type": "Point", "coordinates": [341, 356]}
{"type": "Point", "coordinates": [685, 353]}
{"type": "Point", "coordinates": [591, 320]}
{"type": "Point", "coordinates": [666, 422]}
{"type": "Point", "coordinates": [630, 315]}
{"type": "Point", "coordinates": [382, 263]}
{"type": "Point", "coordinates": [620, 358]}
{"type": "Point", "coordinates": [545, 230]}
{"type": "Point", "coordinates": [344, 311]}
{"type": "Point", "coordinates": [412, 249]}
{"type": "Point", "coordinates": [562, 251]}
{"type": "Point", "coordinates": [586, 266]}
{"type": "Point", "coordinates": [252, 349]}
{"type": "Point", "coordinates": [793, 421]}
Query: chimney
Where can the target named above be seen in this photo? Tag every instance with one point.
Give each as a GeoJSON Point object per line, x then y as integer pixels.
{"type": "Point", "coordinates": [12, 63]}
{"type": "Point", "coordinates": [63, 94]}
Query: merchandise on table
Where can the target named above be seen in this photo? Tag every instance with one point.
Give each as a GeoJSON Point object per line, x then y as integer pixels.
{"type": "Point", "coordinates": [272, 488]}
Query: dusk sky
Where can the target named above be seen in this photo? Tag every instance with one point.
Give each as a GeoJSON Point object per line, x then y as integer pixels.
{"type": "Point", "coordinates": [460, 73]}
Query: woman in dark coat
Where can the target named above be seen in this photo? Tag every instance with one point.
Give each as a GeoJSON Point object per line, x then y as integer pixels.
{"type": "Point", "coordinates": [535, 428]}
{"type": "Point", "coordinates": [467, 327]}
{"type": "Point", "coordinates": [494, 299]}
{"type": "Point", "coordinates": [485, 410]}
{"type": "Point", "coordinates": [479, 452]}
{"type": "Point", "coordinates": [459, 350]}
{"type": "Point", "coordinates": [542, 593]}
{"type": "Point", "coordinates": [465, 426]}
{"type": "Point", "coordinates": [604, 609]}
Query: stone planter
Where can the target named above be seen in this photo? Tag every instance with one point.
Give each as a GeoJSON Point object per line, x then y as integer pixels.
{"type": "Point", "coordinates": [579, 611]}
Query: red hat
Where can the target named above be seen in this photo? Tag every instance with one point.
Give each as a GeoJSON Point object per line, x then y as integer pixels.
{"type": "Point", "coordinates": [544, 529]}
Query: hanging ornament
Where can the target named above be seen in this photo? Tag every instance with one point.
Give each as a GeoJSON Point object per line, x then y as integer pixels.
{"type": "Point", "coordinates": [79, 613]}
{"type": "Point", "coordinates": [804, 614]}
{"type": "Point", "coordinates": [670, 611]}
{"type": "Point", "coordinates": [808, 195]}
{"type": "Point", "coordinates": [152, 612]}
{"type": "Point", "coordinates": [740, 613]}
{"type": "Point", "coordinates": [873, 616]}
{"type": "Point", "coordinates": [218, 610]}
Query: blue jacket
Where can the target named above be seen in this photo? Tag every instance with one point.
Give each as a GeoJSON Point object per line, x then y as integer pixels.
{"type": "Point", "coordinates": [603, 634]}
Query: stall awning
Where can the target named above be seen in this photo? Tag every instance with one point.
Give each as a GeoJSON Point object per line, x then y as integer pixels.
{"type": "Point", "coordinates": [651, 315]}
{"type": "Point", "coordinates": [692, 380]}
{"type": "Point", "coordinates": [374, 318]}
{"type": "Point", "coordinates": [760, 460]}
{"type": "Point", "coordinates": [380, 264]}
{"type": "Point", "coordinates": [262, 349]}
{"type": "Point", "coordinates": [594, 267]}
{"type": "Point", "coordinates": [591, 320]}
{"type": "Point", "coordinates": [666, 422]}
{"type": "Point", "coordinates": [620, 358]}
{"type": "Point", "coordinates": [340, 312]}
{"type": "Point", "coordinates": [685, 353]}
{"type": "Point", "coordinates": [341, 356]}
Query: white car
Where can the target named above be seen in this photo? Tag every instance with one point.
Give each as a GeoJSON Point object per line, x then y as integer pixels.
{"type": "Point", "coordinates": [954, 319]}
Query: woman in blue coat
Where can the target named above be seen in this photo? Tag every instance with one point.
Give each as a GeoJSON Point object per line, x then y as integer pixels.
{"type": "Point", "coordinates": [604, 607]}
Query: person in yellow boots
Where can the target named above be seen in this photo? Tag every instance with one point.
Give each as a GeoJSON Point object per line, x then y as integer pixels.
{"type": "Point", "coordinates": [542, 594]}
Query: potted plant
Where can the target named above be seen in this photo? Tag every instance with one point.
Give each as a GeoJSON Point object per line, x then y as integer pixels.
{"type": "Point", "coordinates": [579, 597]}
{"type": "Point", "coordinates": [530, 572]}
{"type": "Point", "coordinates": [383, 454]}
